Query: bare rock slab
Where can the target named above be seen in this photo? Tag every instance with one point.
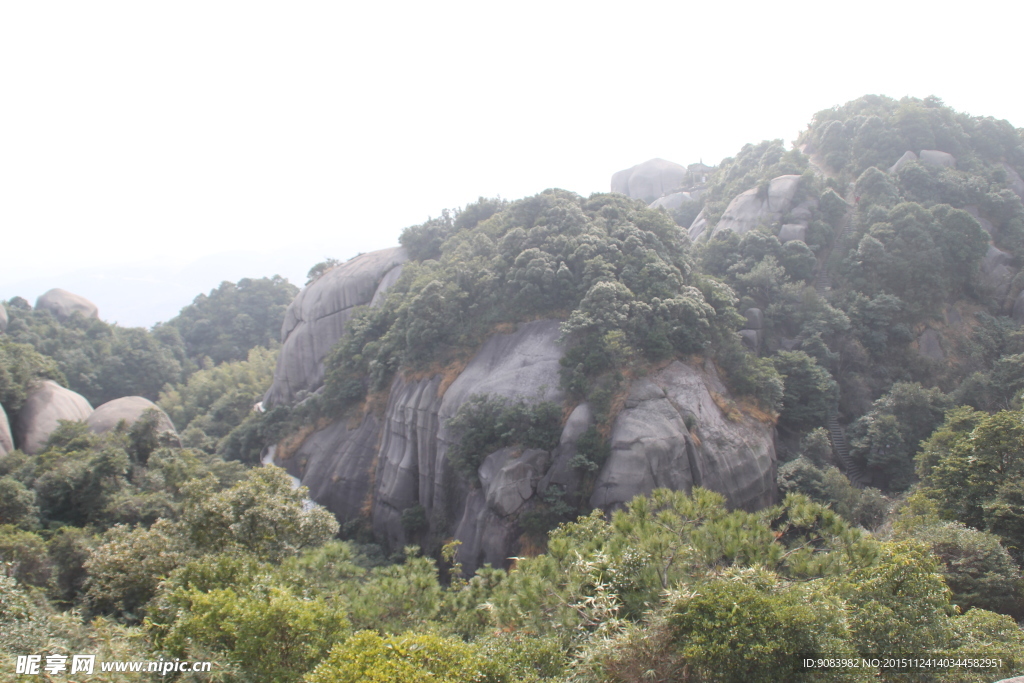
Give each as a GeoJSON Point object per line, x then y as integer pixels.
{"type": "Point", "coordinates": [47, 404]}
{"type": "Point", "coordinates": [128, 409]}
{"type": "Point", "coordinates": [64, 304]}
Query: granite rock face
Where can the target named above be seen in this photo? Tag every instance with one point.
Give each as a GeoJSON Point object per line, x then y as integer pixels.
{"type": "Point", "coordinates": [933, 157]}
{"type": "Point", "coordinates": [652, 446]}
{"type": "Point", "coordinates": [674, 201]}
{"type": "Point", "coordinates": [130, 409]}
{"type": "Point", "coordinates": [996, 272]}
{"type": "Point", "coordinates": [908, 157]}
{"type": "Point", "coordinates": [650, 180]}
{"type": "Point", "coordinates": [316, 319]}
{"type": "Point", "coordinates": [386, 464]}
{"type": "Point", "coordinates": [3, 318]}
{"type": "Point", "coordinates": [6, 440]}
{"type": "Point", "coordinates": [46, 405]}
{"type": "Point", "coordinates": [929, 345]}
{"type": "Point", "coordinates": [698, 226]}
{"type": "Point", "coordinates": [64, 304]}
{"type": "Point", "coordinates": [748, 210]}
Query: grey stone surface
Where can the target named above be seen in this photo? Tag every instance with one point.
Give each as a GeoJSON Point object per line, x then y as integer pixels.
{"type": "Point", "coordinates": [63, 304]}
{"type": "Point", "coordinates": [996, 272]}
{"type": "Point", "coordinates": [651, 179]}
{"type": "Point", "coordinates": [1013, 180]}
{"type": "Point", "coordinates": [1015, 679]}
{"type": "Point", "coordinates": [929, 345]}
{"type": "Point", "coordinates": [387, 463]}
{"type": "Point", "coordinates": [130, 409]}
{"type": "Point", "coordinates": [793, 231]}
{"type": "Point", "coordinates": [316, 319]}
{"type": "Point", "coordinates": [804, 211]}
{"type": "Point", "coordinates": [953, 316]}
{"type": "Point", "coordinates": [6, 440]}
{"type": "Point", "coordinates": [933, 157]}
{"type": "Point", "coordinates": [751, 339]}
{"type": "Point", "coordinates": [651, 446]}
{"type": "Point", "coordinates": [748, 210]}
{"type": "Point", "coordinates": [907, 158]}
{"type": "Point", "coordinates": [47, 403]}
{"type": "Point", "coordinates": [671, 202]}
{"type": "Point", "coordinates": [699, 225]}
{"type": "Point", "coordinates": [3, 317]}
{"type": "Point", "coordinates": [336, 464]}
{"type": "Point", "coordinates": [755, 318]}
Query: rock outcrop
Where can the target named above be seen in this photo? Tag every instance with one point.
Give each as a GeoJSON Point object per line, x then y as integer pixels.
{"type": "Point", "coordinates": [674, 201]}
{"type": "Point", "coordinates": [933, 157]}
{"type": "Point", "coordinates": [6, 440]}
{"type": "Point", "coordinates": [650, 180]}
{"type": "Point", "coordinates": [47, 404]}
{"type": "Point", "coordinates": [653, 444]}
{"type": "Point", "coordinates": [929, 345]}
{"type": "Point", "coordinates": [996, 272]}
{"type": "Point", "coordinates": [130, 409]}
{"type": "Point", "coordinates": [908, 157]}
{"type": "Point", "coordinates": [3, 318]}
{"type": "Point", "coordinates": [750, 209]}
{"type": "Point", "coordinates": [316, 319]}
{"type": "Point", "coordinates": [382, 466]}
{"type": "Point", "coordinates": [64, 304]}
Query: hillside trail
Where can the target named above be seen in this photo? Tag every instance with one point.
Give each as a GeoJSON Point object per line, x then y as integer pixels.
{"type": "Point", "coordinates": [823, 284]}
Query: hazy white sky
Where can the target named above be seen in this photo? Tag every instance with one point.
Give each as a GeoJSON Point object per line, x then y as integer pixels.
{"type": "Point", "coordinates": [140, 132]}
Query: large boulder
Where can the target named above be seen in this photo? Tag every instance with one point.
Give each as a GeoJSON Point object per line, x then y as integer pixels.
{"type": "Point", "coordinates": [378, 466]}
{"type": "Point", "coordinates": [750, 209]}
{"type": "Point", "coordinates": [698, 226]}
{"type": "Point", "coordinates": [3, 318]}
{"type": "Point", "coordinates": [933, 157]}
{"type": "Point", "coordinates": [47, 404]}
{"type": "Point", "coordinates": [674, 201]}
{"type": "Point", "coordinates": [6, 440]}
{"type": "Point", "coordinates": [929, 345]}
{"type": "Point", "coordinates": [908, 157]}
{"type": "Point", "coordinates": [673, 433]}
{"type": "Point", "coordinates": [129, 409]}
{"type": "Point", "coordinates": [996, 272]}
{"type": "Point", "coordinates": [64, 304]}
{"type": "Point", "coordinates": [652, 179]}
{"type": "Point", "coordinates": [316, 319]}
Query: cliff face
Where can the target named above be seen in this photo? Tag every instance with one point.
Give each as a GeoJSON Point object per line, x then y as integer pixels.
{"type": "Point", "coordinates": [380, 466]}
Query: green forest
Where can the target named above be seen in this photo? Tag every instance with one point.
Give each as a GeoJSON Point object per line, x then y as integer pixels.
{"type": "Point", "coordinates": [886, 358]}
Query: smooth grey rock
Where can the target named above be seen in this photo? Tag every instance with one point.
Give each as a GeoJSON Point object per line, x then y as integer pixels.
{"type": "Point", "coordinates": [561, 472]}
{"type": "Point", "coordinates": [929, 345]}
{"type": "Point", "coordinates": [6, 440]}
{"type": "Point", "coordinates": [3, 317]}
{"type": "Point", "coordinates": [699, 225]}
{"type": "Point", "coordinates": [996, 272]}
{"type": "Point", "coordinates": [652, 447]}
{"type": "Point", "coordinates": [933, 157]}
{"type": "Point", "coordinates": [1013, 180]}
{"type": "Point", "coordinates": [793, 231]}
{"type": "Point", "coordinates": [1018, 308]}
{"type": "Point", "coordinates": [651, 179]}
{"type": "Point", "coordinates": [804, 211]}
{"type": "Point", "coordinates": [747, 210]}
{"type": "Point", "coordinates": [316, 319]}
{"type": "Point", "coordinates": [64, 304]}
{"type": "Point", "coordinates": [751, 339]}
{"type": "Point", "coordinates": [129, 408]}
{"type": "Point", "coordinates": [412, 465]}
{"type": "Point", "coordinates": [755, 318]}
{"type": "Point", "coordinates": [672, 202]}
{"type": "Point", "coordinates": [1015, 679]}
{"type": "Point", "coordinates": [907, 158]}
{"type": "Point", "coordinates": [47, 403]}
{"type": "Point", "coordinates": [336, 464]}
{"type": "Point", "coordinates": [510, 478]}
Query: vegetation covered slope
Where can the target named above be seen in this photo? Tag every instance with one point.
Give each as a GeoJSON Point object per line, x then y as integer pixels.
{"type": "Point", "coordinates": [177, 553]}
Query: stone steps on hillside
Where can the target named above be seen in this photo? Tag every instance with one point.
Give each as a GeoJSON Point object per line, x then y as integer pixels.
{"type": "Point", "coordinates": [840, 447]}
